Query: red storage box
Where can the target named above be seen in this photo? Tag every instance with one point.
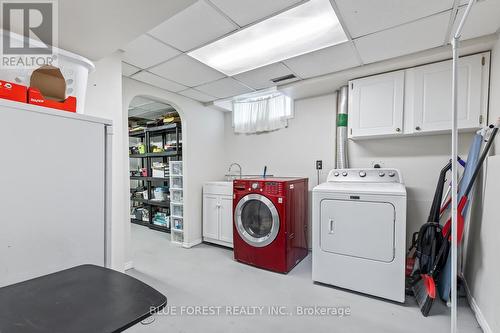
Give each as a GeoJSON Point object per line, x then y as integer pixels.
{"type": "Point", "coordinates": [36, 97]}
{"type": "Point", "coordinates": [13, 92]}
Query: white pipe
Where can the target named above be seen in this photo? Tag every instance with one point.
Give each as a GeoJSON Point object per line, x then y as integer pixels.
{"type": "Point", "coordinates": [454, 170]}
{"type": "Point", "coordinates": [342, 162]}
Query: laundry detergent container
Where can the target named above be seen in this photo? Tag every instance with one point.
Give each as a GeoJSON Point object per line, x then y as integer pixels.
{"type": "Point", "coordinates": [74, 68]}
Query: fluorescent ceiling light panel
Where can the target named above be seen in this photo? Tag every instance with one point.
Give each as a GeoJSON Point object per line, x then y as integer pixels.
{"type": "Point", "coordinates": [303, 29]}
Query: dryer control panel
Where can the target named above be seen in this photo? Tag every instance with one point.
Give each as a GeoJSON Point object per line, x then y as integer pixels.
{"type": "Point", "coordinates": [370, 175]}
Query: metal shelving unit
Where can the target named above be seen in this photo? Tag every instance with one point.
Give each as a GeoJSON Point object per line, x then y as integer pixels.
{"type": "Point", "coordinates": [146, 161]}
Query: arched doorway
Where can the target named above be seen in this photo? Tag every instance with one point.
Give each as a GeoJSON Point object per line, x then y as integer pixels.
{"type": "Point", "coordinates": [156, 174]}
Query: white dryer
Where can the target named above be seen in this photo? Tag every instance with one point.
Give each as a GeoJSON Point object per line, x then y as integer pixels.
{"type": "Point", "coordinates": [359, 232]}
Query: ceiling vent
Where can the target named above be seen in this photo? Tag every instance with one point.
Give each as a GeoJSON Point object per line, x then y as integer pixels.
{"type": "Point", "coordinates": [283, 78]}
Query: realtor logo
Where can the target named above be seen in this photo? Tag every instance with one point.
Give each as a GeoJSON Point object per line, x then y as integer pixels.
{"type": "Point", "coordinates": [29, 33]}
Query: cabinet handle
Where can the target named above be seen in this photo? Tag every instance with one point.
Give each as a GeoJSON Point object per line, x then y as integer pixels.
{"type": "Point", "coordinates": [331, 226]}
{"type": "Point", "coordinates": [418, 128]}
{"type": "Point", "coordinates": [398, 129]}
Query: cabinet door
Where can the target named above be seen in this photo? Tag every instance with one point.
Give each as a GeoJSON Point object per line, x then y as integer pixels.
{"type": "Point", "coordinates": [226, 219]}
{"type": "Point", "coordinates": [429, 89]}
{"type": "Point", "coordinates": [376, 105]}
{"type": "Point", "coordinates": [211, 216]}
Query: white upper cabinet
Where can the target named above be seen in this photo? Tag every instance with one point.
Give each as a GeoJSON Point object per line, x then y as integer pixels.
{"type": "Point", "coordinates": [428, 94]}
{"type": "Point", "coordinates": [376, 105]}
{"type": "Point", "coordinates": [417, 101]}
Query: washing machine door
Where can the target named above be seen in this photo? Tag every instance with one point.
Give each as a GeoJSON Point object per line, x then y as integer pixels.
{"type": "Point", "coordinates": [257, 220]}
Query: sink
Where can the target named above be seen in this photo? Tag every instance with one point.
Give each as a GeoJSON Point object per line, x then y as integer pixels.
{"type": "Point", "coordinates": [230, 178]}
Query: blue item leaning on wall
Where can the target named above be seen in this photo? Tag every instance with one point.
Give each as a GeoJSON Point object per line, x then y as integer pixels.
{"type": "Point", "coordinates": [444, 281]}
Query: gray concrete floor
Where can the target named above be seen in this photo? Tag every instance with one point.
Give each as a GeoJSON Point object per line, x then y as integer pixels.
{"type": "Point", "coordinates": [207, 275]}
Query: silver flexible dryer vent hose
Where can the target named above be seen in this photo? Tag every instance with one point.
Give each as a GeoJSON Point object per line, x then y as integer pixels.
{"type": "Point", "coordinates": [342, 128]}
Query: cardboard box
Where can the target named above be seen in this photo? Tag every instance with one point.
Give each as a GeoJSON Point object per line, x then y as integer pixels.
{"type": "Point", "coordinates": [48, 88]}
{"type": "Point", "coordinates": [13, 92]}
{"type": "Point", "coordinates": [35, 97]}
{"type": "Point", "coordinates": [159, 172]}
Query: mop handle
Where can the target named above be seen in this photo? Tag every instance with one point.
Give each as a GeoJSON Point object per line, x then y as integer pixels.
{"type": "Point", "coordinates": [483, 156]}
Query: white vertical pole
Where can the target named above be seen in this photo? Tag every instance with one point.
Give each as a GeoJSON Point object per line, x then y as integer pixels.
{"type": "Point", "coordinates": [454, 189]}
{"type": "Point", "coordinates": [454, 171]}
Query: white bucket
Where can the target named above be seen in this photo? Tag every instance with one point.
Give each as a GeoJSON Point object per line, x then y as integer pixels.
{"type": "Point", "coordinates": [74, 68]}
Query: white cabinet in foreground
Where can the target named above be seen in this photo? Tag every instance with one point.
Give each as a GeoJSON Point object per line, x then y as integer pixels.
{"type": "Point", "coordinates": [218, 213]}
{"type": "Point", "coordinates": [417, 101]}
{"type": "Point", "coordinates": [56, 198]}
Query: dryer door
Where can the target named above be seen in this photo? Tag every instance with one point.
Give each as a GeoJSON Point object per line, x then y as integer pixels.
{"type": "Point", "coordinates": [361, 229]}
{"type": "Point", "coordinates": [257, 220]}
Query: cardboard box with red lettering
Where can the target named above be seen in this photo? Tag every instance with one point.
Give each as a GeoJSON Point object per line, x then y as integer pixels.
{"type": "Point", "coordinates": [48, 88]}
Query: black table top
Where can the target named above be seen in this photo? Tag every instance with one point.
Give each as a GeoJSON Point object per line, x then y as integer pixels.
{"type": "Point", "coordinates": [87, 299]}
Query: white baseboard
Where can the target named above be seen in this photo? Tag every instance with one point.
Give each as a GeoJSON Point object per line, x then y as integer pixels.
{"type": "Point", "coordinates": [191, 244]}
{"type": "Point", "coordinates": [129, 265]}
{"type": "Point", "coordinates": [477, 311]}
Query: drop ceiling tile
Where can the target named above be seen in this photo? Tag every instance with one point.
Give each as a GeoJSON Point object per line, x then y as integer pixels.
{"type": "Point", "coordinates": [405, 39]}
{"type": "Point", "coordinates": [196, 25]}
{"type": "Point", "coordinates": [128, 69]}
{"type": "Point", "coordinates": [187, 71]}
{"type": "Point", "coordinates": [245, 12]}
{"type": "Point", "coordinates": [363, 17]}
{"type": "Point", "coordinates": [224, 88]}
{"type": "Point", "coordinates": [484, 19]}
{"type": "Point", "coordinates": [158, 81]}
{"type": "Point", "coordinates": [139, 101]}
{"type": "Point", "coordinates": [328, 60]}
{"type": "Point", "coordinates": [197, 95]}
{"type": "Point", "coordinates": [145, 51]}
{"type": "Point", "coordinates": [260, 78]}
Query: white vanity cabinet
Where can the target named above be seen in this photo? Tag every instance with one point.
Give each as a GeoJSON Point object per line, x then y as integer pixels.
{"type": "Point", "coordinates": [218, 213]}
{"type": "Point", "coordinates": [417, 101]}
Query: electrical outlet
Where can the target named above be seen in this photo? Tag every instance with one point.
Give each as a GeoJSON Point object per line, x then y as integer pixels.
{"type": "Point", "coordinates": [319, 164]}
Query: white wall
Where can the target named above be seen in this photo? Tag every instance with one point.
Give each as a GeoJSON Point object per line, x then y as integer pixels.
{"type": "Point", "coordinates": [482, 271]}
{"type": "Point", "coordinates": [292, 151]}
{"type": "Point", "coordinates": [104, 99]}
{"type": "Point", "coordinates": [203, 150]}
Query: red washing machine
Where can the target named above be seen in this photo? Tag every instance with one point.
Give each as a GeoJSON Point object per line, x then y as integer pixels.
{"type": "Point", "coordinates": [270, 222]}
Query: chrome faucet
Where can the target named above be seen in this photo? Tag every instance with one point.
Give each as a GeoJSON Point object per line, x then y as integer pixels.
{"type": "Point", "coordinates": [231, 166]}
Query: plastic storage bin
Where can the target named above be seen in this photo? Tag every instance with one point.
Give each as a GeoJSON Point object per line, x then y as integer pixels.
{"type": "Point", "coordinates": [176, 195]}
{"type": "Point", "coordinates": [178, 223]}
{"type": "Point", "coordinates": [175, 182]}
{"type": "Point", "coordinates": [176, 210]}
{"type": "Point", "coordinates": [161, 193]}
{"type": "Point", "coordinates": [176, 237]}
{"type": "Point", "coordinates": [74, 68]}
{"type": "Point", "coordinates": [176, 168]}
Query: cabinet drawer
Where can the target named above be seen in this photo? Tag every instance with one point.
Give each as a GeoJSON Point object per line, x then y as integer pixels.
{"type": "Point", "coordinates": [218, 188]}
